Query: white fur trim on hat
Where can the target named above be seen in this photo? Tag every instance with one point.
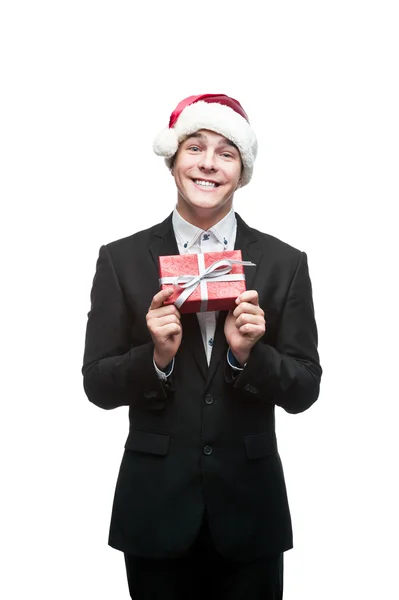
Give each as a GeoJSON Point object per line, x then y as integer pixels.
{"type": "Point", "coordinates": [215, 117]}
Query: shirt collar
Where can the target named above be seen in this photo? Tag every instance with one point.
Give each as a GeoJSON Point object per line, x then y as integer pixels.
{"type": "Point", "coordinates": [224, 230]}
{"type": "Point", "coordinates": [188, 233]}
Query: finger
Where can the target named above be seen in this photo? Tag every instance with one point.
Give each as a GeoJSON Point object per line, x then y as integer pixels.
{"type": "Point", "coordinates": [247, 318]}
{"type": "Point", "coordinates": [169, 330]}
{"type": "Point", "coordinates": [160, 297]}
{"type": "Point", "coordinates": [163, 311]}
{"type": "Point", "coordinates": [252, 331]}
{"type": "Point", "coordinates": [251, 296]}
{"type": "Point", "coordinates": [246, 307]}
{"type": "Point", "coordinates": [156, 324]}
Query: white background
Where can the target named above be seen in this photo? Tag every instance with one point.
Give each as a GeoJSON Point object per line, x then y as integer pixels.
{"type": "Point", "coordinates": [85, 86]}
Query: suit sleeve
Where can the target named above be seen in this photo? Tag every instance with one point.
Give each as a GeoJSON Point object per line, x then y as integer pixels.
{"type": "Point", "coordinates": [289, 372]}
{"type": "Point", "coordinates": [114, 374]}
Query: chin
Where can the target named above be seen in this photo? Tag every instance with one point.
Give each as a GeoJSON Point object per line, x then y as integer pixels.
{"type": "Point", "coordinates": [205, 203]}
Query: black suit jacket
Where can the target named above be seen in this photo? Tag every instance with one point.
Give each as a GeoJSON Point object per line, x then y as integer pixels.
{"type": "Point", "coordinates": [206, 439]}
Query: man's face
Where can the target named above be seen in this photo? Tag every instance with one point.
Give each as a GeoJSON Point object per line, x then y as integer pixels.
{"type": "Point", "coordinates": [207, 171]}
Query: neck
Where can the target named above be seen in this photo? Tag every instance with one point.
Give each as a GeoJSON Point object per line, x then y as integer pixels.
{"type": "Point", "coordinates": [202, 218]}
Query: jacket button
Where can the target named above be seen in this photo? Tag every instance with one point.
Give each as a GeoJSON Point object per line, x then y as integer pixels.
{"type": "Point", "coordinates": [207, 450]}
{"type": "Point", "coordinates": [209, 399]}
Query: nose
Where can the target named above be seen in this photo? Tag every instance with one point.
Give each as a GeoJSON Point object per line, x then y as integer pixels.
{"type": "Point", "coordinates": [207, 161]}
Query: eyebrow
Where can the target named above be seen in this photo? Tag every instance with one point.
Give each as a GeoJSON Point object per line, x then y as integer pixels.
{"type": "Point", "coordinates": [201, 136]}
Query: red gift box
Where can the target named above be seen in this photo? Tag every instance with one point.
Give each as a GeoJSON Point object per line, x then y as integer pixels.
{"type": "Point", "coordinates": [203, 282]}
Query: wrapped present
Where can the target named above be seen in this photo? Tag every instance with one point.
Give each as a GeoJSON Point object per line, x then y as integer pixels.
{"type": "Point", "coordinates": [204, 282]}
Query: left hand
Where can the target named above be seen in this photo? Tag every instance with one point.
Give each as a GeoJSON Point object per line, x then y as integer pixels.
{"type": "Point", "coordinates": [245, 325]}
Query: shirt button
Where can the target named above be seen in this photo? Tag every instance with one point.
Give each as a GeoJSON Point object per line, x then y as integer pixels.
{"type": "Point", "coordinates": [207, 450]}
{"type": "Point", "coordinates": [209, 399]}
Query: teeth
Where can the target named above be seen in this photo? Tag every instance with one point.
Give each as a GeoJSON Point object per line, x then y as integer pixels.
{"type": "Point", "coordinates": [205, 183]}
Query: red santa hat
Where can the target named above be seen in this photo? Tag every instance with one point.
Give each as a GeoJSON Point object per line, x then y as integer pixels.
{"type": "Point", "coordinates": [216, 112]}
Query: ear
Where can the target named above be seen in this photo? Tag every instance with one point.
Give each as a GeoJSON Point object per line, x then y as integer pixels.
{"type": "Point", "coordinates": [172, 166]}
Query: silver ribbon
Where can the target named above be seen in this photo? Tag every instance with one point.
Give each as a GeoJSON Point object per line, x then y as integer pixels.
{"type": "Point", "coordinates": [218, 271]}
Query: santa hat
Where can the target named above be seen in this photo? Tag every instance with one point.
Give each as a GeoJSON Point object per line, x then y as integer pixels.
{"type": "Point", "coordinates": [215, 112]}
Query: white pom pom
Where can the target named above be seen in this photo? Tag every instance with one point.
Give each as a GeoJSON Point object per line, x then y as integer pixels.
{"type": "Point", "coordinates": [166, 143]}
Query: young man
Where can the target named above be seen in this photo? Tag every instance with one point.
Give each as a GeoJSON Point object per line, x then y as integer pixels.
{"type": "Point", "coordinates": [200, 506]}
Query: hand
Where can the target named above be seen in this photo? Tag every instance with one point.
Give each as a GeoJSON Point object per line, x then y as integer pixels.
{"type": "Point", "coordinates": [245, 325]}
{"type": "Point", "coordinates": [164, 325]}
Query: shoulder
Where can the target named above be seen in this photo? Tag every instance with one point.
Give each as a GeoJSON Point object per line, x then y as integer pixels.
{"type": "Point", "coordinates": [137, 241]}
{"type": "Point", "coordinates": [269, 243]}
{"type": "Point", "coordinates": [276, 244]}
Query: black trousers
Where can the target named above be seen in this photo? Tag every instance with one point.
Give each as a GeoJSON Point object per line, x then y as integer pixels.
{"type": "Point", "coordinates": [204, 573]}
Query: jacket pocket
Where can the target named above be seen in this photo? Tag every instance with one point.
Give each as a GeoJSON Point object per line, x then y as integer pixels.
{"type": "Point", "coordinates": [261, 445]}
{"type": "Point", "coordinates": [148, 442]}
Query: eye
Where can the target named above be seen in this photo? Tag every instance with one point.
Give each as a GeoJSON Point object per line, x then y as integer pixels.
{"type": "Point", "coordinates": [194, 148]}
{"type": "Point", "coordinates": [229, 155]}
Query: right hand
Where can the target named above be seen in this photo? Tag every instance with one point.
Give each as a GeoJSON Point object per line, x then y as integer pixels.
{"type": "Point", "coordinates": [164, 325]}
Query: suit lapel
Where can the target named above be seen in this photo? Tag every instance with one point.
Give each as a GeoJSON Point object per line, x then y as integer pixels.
{"type": "Point", "coordinates": [247, 243]}
{"type": "Point", "coordinates": [164, 241]}
{"type": "Point", "coordinates": [192, 341]}
{"type": "Point", "coordinates": [219, 346]}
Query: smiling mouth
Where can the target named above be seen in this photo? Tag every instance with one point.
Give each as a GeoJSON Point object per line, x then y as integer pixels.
{"type": "Point", "coordinates": [206, 184]}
